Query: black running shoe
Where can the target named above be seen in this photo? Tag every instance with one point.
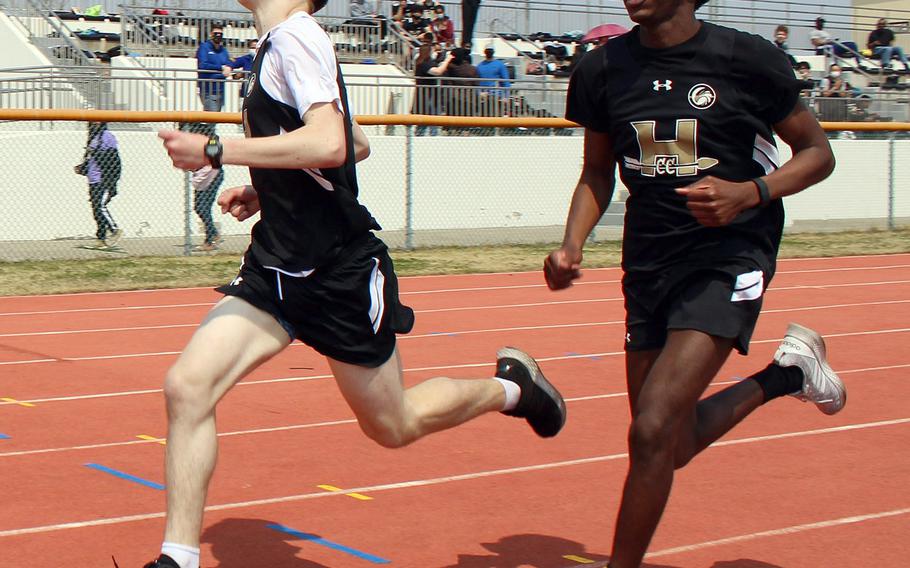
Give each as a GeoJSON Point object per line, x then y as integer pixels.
{"type": "Point", "coordinates": [540, 402]}
{"type": "Point", "coordinates": [164, 561]}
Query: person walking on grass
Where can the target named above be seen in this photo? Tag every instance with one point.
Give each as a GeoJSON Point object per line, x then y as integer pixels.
{"type": "Point", "coordinates": [688, 110]}
{"type": "Point", "coordinates": [101, 166]}
{"type": "Point", "coordinates": [314, 271]}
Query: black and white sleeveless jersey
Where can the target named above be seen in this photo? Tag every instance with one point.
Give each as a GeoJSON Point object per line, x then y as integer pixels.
{"type": "Point", "coordinates": [704, 107]}
{"type": "Point", "coordinates": [306, 216]}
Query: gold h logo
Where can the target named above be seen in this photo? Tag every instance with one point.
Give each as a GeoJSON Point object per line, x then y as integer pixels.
{"type": "Point", "coordinates": [677, 157]}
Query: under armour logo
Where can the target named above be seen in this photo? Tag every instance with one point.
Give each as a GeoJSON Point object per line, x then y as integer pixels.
{"type": "Point", "coordinates": [628, 338]}
{"type": "Point", "coordinates": [237, 281]}
{"type": "Point", "coordinates": [666, 85]}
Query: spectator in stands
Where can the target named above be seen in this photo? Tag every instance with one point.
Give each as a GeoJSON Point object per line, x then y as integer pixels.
{"type": "Point", "coordinates": [101, 166]}
{"type": "Point", "coordinates": [834, 96]}
{"type": "Point", "coordinates": [443, 27]}
{"type": "Point", "coordinates": [494, 74]}
{"type": "Point", "coordinates": [214, 64]}
{"type": "Point", "coordinates": [804, 74]}
{"type": "Point", "coordinates": [363, 9]}
{"type": "Point", "coordinates": [825, 45]}
{"type": "Point", "coordinates": [881, 42]}
{"type": "Point", "coordinates": [365, 14]}
{"type": "Point", "coordinates": [859, 110]}
{"type": "Point", "coordinates": [781, 34]}
{"type": "Point", "coordinates": [412, 21]}
{"type": "Point", "coordinates": [404, 7]}
{"type": "Point", "coordinates": [245, 64]}
{"type": "Point", "coordinates": [427, 99]}
{"type": "Point", "coordinates": [835, 84]}
{"type": "Point", "coordinates": [580, 50]}
{"type": "Point", "coordinates": [462, 92]}
{"type": "Point", "coordinates": [469, 9]}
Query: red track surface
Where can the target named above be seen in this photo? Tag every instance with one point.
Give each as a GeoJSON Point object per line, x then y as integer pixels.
{"type": "Point", "coordinates": [788, 488]}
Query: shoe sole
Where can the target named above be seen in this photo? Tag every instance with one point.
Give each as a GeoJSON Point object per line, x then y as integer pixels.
{"type": "Point", "coordinates": [539, 380]}
{"type": "Point", "coordinates": [816, 344]}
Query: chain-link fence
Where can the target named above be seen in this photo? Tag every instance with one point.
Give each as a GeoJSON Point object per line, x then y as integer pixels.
{"type": "Point", "coordinates": [80, 190]}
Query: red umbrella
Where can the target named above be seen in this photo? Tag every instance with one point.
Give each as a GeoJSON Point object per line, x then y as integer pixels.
{"type": "Point", "coordinates": [603, 31]}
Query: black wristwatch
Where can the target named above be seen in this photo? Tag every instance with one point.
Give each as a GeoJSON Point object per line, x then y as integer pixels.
{"type": "Point", "coordinates": [213, 151]}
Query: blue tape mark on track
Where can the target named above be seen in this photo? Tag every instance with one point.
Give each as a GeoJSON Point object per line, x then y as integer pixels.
{"type": "Point", "coordinates": [329, 544]}
{"type": "Point", "coordinates": [4, 437]}
{"type": "Point", "coordinates": [126, 476]}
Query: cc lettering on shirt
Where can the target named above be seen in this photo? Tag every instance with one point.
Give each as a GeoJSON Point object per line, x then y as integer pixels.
{"type": "Point", "coordinates": [674, 157]}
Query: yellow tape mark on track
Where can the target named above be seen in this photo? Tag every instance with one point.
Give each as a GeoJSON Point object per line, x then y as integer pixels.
{"type": "Point", "coordinates": [14, 401]}
{"type": "Point", "coordinates": [334, 489]}
{"type": "Point", "coordinates": [579, 559]}
{"type": "Point", "coordinates": [161, 441]}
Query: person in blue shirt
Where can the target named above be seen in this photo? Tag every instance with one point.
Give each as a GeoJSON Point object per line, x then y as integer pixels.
{"type": "Point", "coordinates": [245, 64]}
{"type": "Point", "coordinates": [214, 64]}
{"type": "Point", "coordinates": [491, 68]}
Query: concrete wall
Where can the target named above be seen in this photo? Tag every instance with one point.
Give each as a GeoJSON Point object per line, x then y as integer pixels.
{"type": "Point", "coordinates": [460, 184]}
{"type": "Point", "coordinates": [15, 48]}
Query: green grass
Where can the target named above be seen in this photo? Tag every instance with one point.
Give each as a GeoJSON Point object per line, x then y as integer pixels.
{"type": "Point", "coordinates": [136, 273]}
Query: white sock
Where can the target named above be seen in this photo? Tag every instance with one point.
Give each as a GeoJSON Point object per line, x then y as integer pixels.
{"type": "Point", "coordinates": [513, 393]}
{"type": "Point", "coordinates": [184, 556]}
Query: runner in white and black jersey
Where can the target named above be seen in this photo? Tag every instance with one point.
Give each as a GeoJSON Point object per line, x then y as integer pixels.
{"type": "Point", "coordinates": [688, 111]}
{"type": "Point", "coordinates": [314, 272]}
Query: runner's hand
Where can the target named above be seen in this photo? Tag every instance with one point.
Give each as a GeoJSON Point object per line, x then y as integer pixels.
{"type": "Point", "coordinates": [241, 202]}
{"type": "Point", "coordinates": [186, 150]}
{"type": "Point", "coordinates": [561, 267]}
{"type": "Point", "coordinates": [715, 202]}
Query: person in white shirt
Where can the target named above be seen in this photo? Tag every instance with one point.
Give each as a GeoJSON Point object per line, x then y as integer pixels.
{"type": "Point", "coordinates": [314, 271]}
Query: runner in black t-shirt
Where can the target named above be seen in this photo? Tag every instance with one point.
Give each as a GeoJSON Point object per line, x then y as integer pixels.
{"type": "Point", "coordinates": [314, 271]}
{"type": "Point", "coordinates": [688, 110]}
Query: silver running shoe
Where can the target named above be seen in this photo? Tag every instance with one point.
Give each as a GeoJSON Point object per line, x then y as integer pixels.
{"type": "Point", "coordinates": [805, 349]}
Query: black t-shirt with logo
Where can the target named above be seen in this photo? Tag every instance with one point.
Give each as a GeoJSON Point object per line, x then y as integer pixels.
{"type": "Point", "coordinates": [675, 115]}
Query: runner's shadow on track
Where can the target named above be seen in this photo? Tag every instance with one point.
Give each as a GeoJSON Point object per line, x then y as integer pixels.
{"type": "Point", "coordinates": [743, 563]}
{"type": "Point", "coordinates": [537, 551]}
{"type": "Point", "coordinates": [242, 543]}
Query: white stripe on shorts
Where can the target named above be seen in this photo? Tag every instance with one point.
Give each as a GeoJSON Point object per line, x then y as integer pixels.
{"type": "Point", "coordinates": [377, 299]}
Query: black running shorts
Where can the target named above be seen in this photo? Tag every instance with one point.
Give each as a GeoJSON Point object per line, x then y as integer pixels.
{"type": "Point", "coordinates": [349, 310]}
{"type": "Point", "coordinates": [723, 301]}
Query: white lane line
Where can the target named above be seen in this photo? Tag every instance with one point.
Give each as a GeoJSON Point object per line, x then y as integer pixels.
{"type": "Point", "coordinates": [779, 532]}
{"type": "Point", "coordinates": [465, 308]}
{"type": "Point", "coordinates": [448, 290]}
{"type": "Point", "coordinates": [415, 369]}
{"type": "Point", "coordinates": [491, 330]}
{"type": "Point", "coordinates": [156, 440]}
{"type": "Point", "coordinates": [885, 255]}
{"type": "Point", "coordinates": [622, 394]}
{"type": "Point", "coordinates": [99, 330]}
{"type": "Point", "coordinates": [107, 309]}
{"type": "Point", "coordinates": [420, 482]}
{"type": "Point", "coordinates": [826, 286]}
{"type": "Point", "coordinates": [844, 269]}
{"type": "Point", "coordinates": [438, 276]}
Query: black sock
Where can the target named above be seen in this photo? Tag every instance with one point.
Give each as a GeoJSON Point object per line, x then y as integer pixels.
{"type": "Point", "coordinates": [776, 381]}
